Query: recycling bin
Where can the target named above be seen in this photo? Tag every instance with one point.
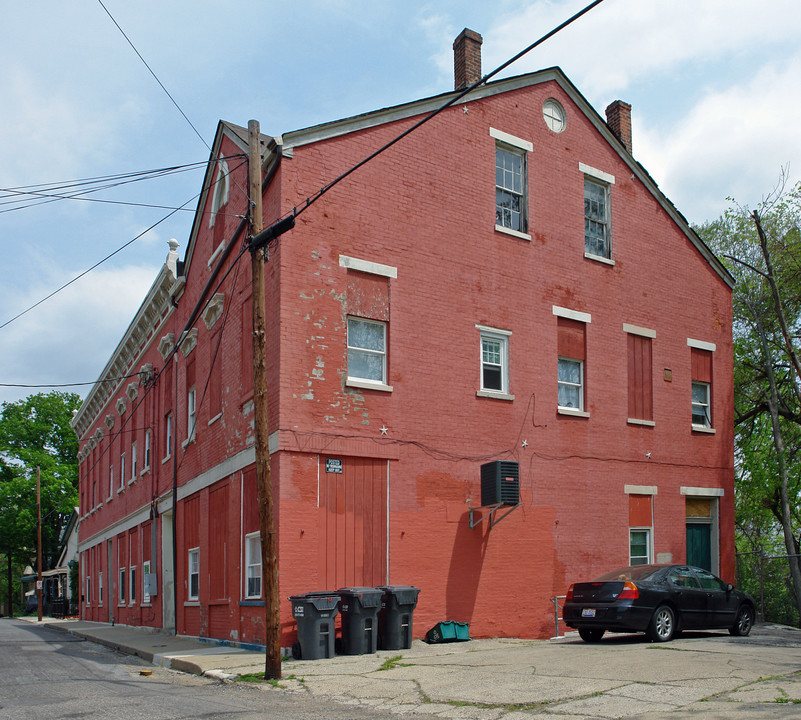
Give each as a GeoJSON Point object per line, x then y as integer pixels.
{"type": "Point", "coordinates": [395, 619]}
{"type": "Point", "coordinates": [359, 607]}
{"type": "Point", "coordinates": [315, 613]}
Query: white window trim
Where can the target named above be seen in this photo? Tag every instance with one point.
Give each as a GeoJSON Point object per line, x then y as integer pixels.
{"type": "Point", "coordinates": [635, 330]}
{"type": "Point", "coordinates": [520, 144]}
{"type": "Point", "coordinates": [100, 588]}
{"type": "Point", "coordinates": [366, 266]}
{"type": "Point", "coordinates": [498, 334]}
{"type": "Point", "coordinates": [638, 421]}
{"type": "Point", "coordinates": [249, 565]}
{"type": "Point", "coordinates": [640, 489]}
{"type": "Point", "coordinates": [366, 383]}
{"type": "Point", "coordinates": [133, 463]}
{"type": "Point", "coordinates": [650, 550]}
{"type": "Point", "coordinates": [580, 386]}
{"type": "Point", "coordinates": [515, 233]}
{"type": "Point", "coordinates": [191, 414]}
{"type": "Point", "coordinates": [189, 553]}
{"type": "Point", "coordinates": [216, 252]}
{"type": "Point", "coordinates": [571, 411]}
{"type": "Point", "coordinates": [131, 585]}
{"type": "Point", "coordinates": [145, 573]}
{"type": "Point", "coordinates": [123, 575]}
{"type": "Point", "coordinates": [572, 314]}
{"type": "Point", "coordinates": [220, 190]}
{"type": "Point", "coordinates": [596, 174]}
{"type": "Point", "coordinates": [701, 345]}
{"type": "Point", "coordinates": [702, 491]}
{"type": "Point", "coordinates": [698, 427]}
{"type": "Point", "coordinates": [168, 430]}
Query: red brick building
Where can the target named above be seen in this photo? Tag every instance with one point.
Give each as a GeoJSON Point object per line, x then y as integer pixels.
{"type": "Point", "coordinates": [505, 284]}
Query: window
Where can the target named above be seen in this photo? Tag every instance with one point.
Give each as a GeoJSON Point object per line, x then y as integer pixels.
{"type": "Point", "coordinates": [145, 581]}
{"type": "Point", "coordinates": [100, 588]}
{"type": "Point", "coordinates": [571, 357]}
{"type": "Point", "coordinates": [167, 436]}
{"type": "Point", "coordinates": [701, 370]}
{"type": "Point", "coordinates": [190, 414]}
{"type": "Point", "coordinates": [700, 404]}
{"type": "Point", "coordinates": [640, 383]}
{"type": "Point", "coordinates": [570, 384]}
{"type": "Point", "coordinates": [88, 589]}
{"type": "Point", "coordinates": [221, 189]}
{"type": "Point", "coordinates": [133, 461]}
{"type": "Point", "coordinates": [253, 565]}
{"type": "Point", "coordinates": [110, 481]}
{"type": "Point", "coordinates": [367, 355]}
{"type": "Point", "coordinates": [510, 188]}
{"type": "Point", "coordinates": [597, 235]}
{"type": "Point", "coordinates": [193, 569]}
{"type": "Point", "coordinates": [494, 361]}
{"type": "Point", "coordinates": [122, 471]}
{"type": "Point", "coordinates": [639, 546]}
{"type": "Point", "coordinates": [132, 584]}
{"type": "Point", "coordinates": [122, 586]}
{"type": "Point", "coordinates": [147, 449]}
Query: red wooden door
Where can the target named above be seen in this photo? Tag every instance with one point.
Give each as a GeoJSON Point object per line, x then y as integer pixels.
{"type": "Point", "coordinates": [353, 522]}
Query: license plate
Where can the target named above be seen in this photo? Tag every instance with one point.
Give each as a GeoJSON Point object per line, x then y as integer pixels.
{"type": "Point", "coordinates": [588, 612]}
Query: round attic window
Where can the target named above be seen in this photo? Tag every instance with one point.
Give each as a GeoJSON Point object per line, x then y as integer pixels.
{"type": "Point", "coordinates": [554, 115]}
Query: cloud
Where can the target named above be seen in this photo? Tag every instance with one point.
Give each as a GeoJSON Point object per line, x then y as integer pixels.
{"type": "Point", "coordinates": [732, 143]}
{"type": "Point", "coordinates": [71, 337]}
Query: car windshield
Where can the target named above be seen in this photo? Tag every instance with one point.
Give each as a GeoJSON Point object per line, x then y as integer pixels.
{"type": "Point", "coordinates": [635, 572]}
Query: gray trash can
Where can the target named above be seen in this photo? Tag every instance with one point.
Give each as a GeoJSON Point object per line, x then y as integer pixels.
{"type": "Point", "coordinates": [395, 619]}
{"type": "Point", "coordinates": [315, 613]}
{"type": "Point", "coordinates": [359, 606]}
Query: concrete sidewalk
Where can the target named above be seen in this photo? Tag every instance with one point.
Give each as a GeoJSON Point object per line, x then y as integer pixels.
{"type": "Point", "coordinates": [710, 675]}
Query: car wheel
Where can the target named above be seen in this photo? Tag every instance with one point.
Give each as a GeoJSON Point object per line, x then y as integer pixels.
{"type": "Point", "coordinates": [663, 625]}
{"type": "Point", "coordinates": [744, 622]}
{"type": "Point", "coordinates": [591, 635]}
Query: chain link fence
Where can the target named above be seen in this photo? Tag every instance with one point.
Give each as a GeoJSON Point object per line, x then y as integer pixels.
{"type": "Point", "coordinates": [767, 579]}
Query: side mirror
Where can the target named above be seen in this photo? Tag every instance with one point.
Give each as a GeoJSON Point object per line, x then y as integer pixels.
{"type": "Point", "coordinates": [729, 587]}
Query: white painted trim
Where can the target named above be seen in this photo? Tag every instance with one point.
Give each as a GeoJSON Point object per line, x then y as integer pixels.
{"type": "Point", "coordinates": [599, 258]}
{"type": "Point", "coordinates": [703, 429]}
{"type": "Point", "coordinates": [640, 489]}
{"type": "Point", "coordinates": [635, 330]}
{"type": "Point", "coordinates": [701, 345]}
{"type": "Point", "coordinates": [497, 331]}
{"type": "Point", "coordinates": [572, 314]}
{"type": "Point", "coordinates": [216, 253]}
{"type": "Point", "coordinates": [367, 385]}
{"type": "Point", "coordinates": [702, 492]}
{"type": "Point", "coordinates": [513, 233]}
{"type": "Point", "coordinates": [597, 174]}
{"type": "Point", "coordinates": [367, 266]}
{"type": "Point", "coordinates": [511, 140]}
{"type": "Point", "coordinates": [637, 421]}
{"type": "Point", "coordinates": [494, 395]}
{"type": "Point", "coordinates": [572, 412]}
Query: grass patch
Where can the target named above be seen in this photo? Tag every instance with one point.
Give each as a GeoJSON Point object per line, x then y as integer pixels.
{"type": "Point", "coordinates": [393, 662]}
{"type": "Point", "coordinates": [258, 677]}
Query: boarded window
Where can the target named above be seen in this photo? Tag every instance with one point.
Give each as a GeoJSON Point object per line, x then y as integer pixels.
{"type": "Point", "coordinates": [641, 405]}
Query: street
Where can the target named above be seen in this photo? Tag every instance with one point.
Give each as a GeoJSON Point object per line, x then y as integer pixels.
{"type": "Point", "coordinates": [49, 674]}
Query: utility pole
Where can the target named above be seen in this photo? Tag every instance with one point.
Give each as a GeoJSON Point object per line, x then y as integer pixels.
{"type": "Point", "coordinates": [39, 542]}
{"type": "Point", "coordinates": [269, 546]}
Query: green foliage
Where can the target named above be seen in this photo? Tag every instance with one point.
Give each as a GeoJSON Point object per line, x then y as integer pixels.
{"type": "Point", "coordinates": [36, 432]}
{"type": "Point", "coordinates": [761, 351]}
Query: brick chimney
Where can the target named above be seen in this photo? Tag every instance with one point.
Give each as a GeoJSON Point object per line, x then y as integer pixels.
{"type": "Point", "coordinates": [618, 118]}
{"type": "Point", "coordinates": [466, 59]}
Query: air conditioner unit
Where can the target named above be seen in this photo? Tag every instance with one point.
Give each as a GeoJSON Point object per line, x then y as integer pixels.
{"type": "Point", "coordinates": [500, 483]}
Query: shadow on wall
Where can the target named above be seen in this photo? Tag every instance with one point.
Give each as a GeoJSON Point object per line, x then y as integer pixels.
{"type": "Point", "coordinates": [464, 571]}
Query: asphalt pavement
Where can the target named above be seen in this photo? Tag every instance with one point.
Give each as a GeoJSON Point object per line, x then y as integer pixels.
{"type": "Point", "coordinates": [708, 675]}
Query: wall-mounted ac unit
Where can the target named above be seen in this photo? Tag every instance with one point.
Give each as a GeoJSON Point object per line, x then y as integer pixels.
{"type": "Point", "coordinates": [500, 483]}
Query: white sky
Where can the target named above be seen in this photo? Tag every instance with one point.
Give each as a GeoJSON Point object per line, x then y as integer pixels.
{"type": "Point", "coordinates": [714, 87]}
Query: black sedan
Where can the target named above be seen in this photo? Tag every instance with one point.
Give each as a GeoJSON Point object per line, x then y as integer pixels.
{"type": "Point", "coordinates": [660, 600]}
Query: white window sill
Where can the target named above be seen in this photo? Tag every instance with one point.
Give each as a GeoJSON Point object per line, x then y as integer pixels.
{"type": "Point", "coordinates": [119, 490]}
{"type": "Point", "coordinates": [109, 498]}
{"type": "Point", "coordinates": [367, 385]}
{"type": "Point", "coordinates": [703, 429]}
{"type": "Point", "coordinates": [186, 443]}
{"type": "Point", "coordinates": [146, 604]}
{"type": "Point", "coordinates": [132, 481]}
{"type": "Point", "coordinates": [192, 603]}
{"type": "Point", "coordinates": [513, 233]}
{"type": "Point", "coordinates": [572, 412]}
{"type": "Point", "coordinates": [165, 459]}
{"type": "Point", "coordinates": [494, 394]}
{"type": "Point", "coordinates": [215, 418]}
{"type": "Point", "coordinates": [635, 421]}
{"type": "Point", "coordinates": [599, 258]}
{"type": "Point", "coordinates": [144, 471]}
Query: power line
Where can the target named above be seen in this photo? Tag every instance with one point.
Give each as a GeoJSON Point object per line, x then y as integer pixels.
{"type": "Point", "coordinates": [154, 75]}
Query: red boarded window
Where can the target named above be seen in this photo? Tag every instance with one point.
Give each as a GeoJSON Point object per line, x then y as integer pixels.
{"type": "Point", "coordinates": [641, 404]}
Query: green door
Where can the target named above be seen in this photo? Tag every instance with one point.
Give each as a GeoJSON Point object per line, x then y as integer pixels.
{"type": "Point", "coordinates": [699, 545]}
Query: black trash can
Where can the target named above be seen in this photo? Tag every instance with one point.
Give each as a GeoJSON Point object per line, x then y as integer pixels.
{"type": "Point", "coordinates": [395, 620]}
{"type": "Point", "coordinates": [359, 606]}
{"type": "Point", "coordinates": [315, 613]}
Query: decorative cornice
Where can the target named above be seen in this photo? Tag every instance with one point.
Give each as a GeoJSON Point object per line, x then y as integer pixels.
{"type": "Point", "coordinates": [214, 310]}
{"type": "Point", "coordinates": [109, 421]}
{"type": "Point", "coordinates": [121, 405]}
{"type": "Point", "coordinates": [188, 342]}
{"type": "Point", "coordinates": [166, 345]}
{"type": "Point", "coordinates": [132, 391]}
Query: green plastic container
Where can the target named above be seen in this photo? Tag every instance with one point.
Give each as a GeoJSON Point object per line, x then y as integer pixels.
{"type": "Point", "coordinates": [448, 631]}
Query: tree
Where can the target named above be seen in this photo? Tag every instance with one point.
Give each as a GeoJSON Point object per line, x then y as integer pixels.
{"type": "Point", "coordinates": [36, 432]}
{"type": "Point", "coordinates": [763, 252]}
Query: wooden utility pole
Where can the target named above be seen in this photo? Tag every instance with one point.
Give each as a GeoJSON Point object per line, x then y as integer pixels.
{"type": "Point", "coordinates": [269, 546]}
{"type": "Point", "coordinates": [39, 542]}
